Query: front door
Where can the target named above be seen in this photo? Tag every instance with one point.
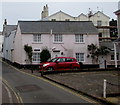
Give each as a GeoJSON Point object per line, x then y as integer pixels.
{"type": "Point", "coordinates": [56, 54]}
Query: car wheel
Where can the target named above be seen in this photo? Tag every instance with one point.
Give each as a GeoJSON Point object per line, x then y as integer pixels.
{"type": "Point", "coordinates": [75, 68]}
{"type": "Point", "coordinates": [50, 69]}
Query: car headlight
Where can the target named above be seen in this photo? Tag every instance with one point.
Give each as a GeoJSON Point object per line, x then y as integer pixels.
{"type": "Point", "coordinates": [45, 64]}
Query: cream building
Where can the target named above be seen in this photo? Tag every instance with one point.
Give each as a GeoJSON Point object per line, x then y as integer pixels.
{"type": "Point", "coordinates": [99, 19]}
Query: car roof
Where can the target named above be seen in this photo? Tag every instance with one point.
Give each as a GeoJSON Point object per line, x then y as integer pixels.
{"type": "Point", "coordinates": [65, 57]}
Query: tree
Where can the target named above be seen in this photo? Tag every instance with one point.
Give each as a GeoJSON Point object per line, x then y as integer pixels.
{"type": "Point", "coordinates": [92, 52]}
{"type": "Point", "coordinates": [103, 50]}
{"type": "Point", "coordinates": [45, 55]}
{"type": "Point", "coordinates": [95, 52]}
{"type": "Point", "coordinates": [28, 50]}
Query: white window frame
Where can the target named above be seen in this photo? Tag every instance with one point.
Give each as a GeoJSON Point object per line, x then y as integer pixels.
{"type": "Point", "coordinates": [58, 38]}
{"type": "Point", "coordinates": [37, 38]}
{"type": "Point", "coordinates": [112, 57]}
{"type": "Point", "coordinates": [79, 38]}
{"type": "Point", "coordinates": [99, 23]}
{"type": "Point", "coordinates": [80, 57]}
{"type": "Point", "coordinates": [36, 57]}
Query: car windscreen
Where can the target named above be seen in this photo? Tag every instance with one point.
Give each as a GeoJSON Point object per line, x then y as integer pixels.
{"type": "Point", "coordinates": [53, 60]}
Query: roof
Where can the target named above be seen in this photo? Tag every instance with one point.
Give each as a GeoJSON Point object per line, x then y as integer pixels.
{"type": "Point", "coordinates": [101, 13]}
{"type": "Point", "coordinates": [117, 12]}
{"type": "Point", "coordinates": [110, 44]}
{"type": "Point", "coordinates": [9, 28]}
{"type": "Point", "coordinates": [57, 13]}
{"type": "Point", "coordinates": [58, 27]}
{"type": "Point", "coordinates": [82, 14]}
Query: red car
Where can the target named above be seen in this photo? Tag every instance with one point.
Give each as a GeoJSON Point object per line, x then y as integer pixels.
{"type": "Point", "coordinates": [60, 63]}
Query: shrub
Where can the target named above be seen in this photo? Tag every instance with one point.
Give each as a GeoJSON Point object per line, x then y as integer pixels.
{"type": "Point", "coordinates": [45, 55]}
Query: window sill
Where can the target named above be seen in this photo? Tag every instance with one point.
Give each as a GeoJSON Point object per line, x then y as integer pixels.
{"type": "Point", "coordinates": [37, 43]}
{"type": "Point", "coordinates": [35, 62]}
{"type": "Point", "coordinates": [58, 43]}
{"type": "Point", "coordinates": [79, 42]}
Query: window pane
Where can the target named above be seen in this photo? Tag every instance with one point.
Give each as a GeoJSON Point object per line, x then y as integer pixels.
{"type": "Point", "coordinates": [80, 57]}
{"type": "Point", "coordinates": [99, 23]}
{"type": "Point", "coordinates": [36, 57]}
{"type": "Point", "coordinates": [112, 57]}
{"type": "Point", "coordinates": [79, 38]}
{"type": "Point", "coordinates": [57, 38]}
{"type": "Point", "coordinates": [37, 37]}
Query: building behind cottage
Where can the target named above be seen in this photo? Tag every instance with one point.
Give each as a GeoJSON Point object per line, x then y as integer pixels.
{"type": "Point", "coordinates": [99, 19]}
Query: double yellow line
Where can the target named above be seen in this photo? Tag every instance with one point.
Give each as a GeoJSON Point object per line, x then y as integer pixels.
{"type": "Point", "coordinates": [17, 95]}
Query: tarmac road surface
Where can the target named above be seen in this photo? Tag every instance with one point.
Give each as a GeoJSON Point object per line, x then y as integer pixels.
{"type": "Point", "coordinates": [33, 89]}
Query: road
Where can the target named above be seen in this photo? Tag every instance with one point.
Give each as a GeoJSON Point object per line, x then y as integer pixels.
{"type": "Point", "coordinates": [32, 89]}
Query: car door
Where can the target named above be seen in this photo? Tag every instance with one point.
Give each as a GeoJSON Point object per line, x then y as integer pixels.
{"type": "Point", "coordinates": [69, 63]}
{"type": "Point", "coordinates": [61, 64]}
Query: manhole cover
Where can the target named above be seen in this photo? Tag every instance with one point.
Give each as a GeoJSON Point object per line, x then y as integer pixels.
{"type": "Point", "coordinates": [28, 88]}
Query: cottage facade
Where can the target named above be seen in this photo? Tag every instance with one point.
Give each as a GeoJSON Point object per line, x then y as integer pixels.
{"type": "Point", "coordinates": [61, 38]}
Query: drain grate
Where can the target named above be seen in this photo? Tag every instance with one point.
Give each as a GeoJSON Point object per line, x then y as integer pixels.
{"type": "Point", "coordinates": [28, 88]}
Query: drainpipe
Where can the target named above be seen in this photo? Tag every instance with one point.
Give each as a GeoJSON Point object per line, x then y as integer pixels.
{"type": "Point", "coordinates": [50, 40]}
{"type": "Point", "coordinates": [115, 55]}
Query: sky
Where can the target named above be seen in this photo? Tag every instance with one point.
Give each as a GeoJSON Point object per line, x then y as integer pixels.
{"type": "Point", "coordinates": [14, 10]}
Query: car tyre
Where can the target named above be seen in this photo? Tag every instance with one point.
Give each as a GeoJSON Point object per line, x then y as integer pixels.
{"type": "Point", "coordinates": [75, 68]}
{"type": "Point", "coordinates": [50, 69]}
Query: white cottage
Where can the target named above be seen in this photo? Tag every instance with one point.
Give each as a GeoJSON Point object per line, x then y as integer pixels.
{"type": "Point", "coordinates": [62, 38]}
{"type": "Point", "coordinates": [8, 45]}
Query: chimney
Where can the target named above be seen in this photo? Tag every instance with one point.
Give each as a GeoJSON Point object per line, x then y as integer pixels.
{"type": "Point", "coordinates": [44, 13]}
{"type": "Point", "coordinates": [4, 27]}
{"type": "Point", "coordinates": [5, 22]}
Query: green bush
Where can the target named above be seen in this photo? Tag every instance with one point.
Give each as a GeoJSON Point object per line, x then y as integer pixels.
{"type": "Point", "coordinates": [28, 50]}
{"type": "Point", "coordinates": [45, 55]}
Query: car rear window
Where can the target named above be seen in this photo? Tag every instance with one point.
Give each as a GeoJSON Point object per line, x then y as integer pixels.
{"type": "Point", "coordinates": [69, 60]}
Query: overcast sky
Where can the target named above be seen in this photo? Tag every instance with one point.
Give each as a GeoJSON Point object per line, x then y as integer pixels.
{"type": "Point", "coordinates": [14, 11]}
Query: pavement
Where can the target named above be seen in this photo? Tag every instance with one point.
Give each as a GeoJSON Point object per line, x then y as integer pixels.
{"type": "Point", "coordinates": [89, 83]}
